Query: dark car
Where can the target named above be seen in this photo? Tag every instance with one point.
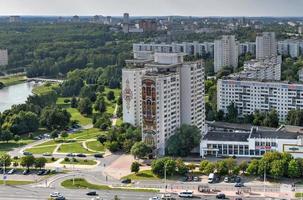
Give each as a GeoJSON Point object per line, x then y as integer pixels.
{"type": "Point", "coordinates": [220, 196]}
{"type": "Point", "coordinates": [70, 155]}
{"type": "Point", "coordinates": [27, 153]}
{"type": "Point", "coordinates": [25, 172]}
{"type": "Point", "coordinates": [239, 185]}
{"type": "Point", "coordinates": [238, 179]}
{"type": "Point", "coordinates": [59, 198]}
{"type": "Point", "coordinates": [46, 172]}
{"type": "Point", "coordinates": [238, 198]}
{"type": "Point", "coordinates": [92, 193]}
{"type": "Point", "coordinates": [81, 155]}
{"type": "Point", "coordinates": [40, 172]}
{"type": "Point", "coordinates": [98, 155]}
{"type": "Point", "coordinates": [126, 181]}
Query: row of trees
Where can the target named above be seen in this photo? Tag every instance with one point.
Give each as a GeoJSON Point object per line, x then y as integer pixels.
{"type": "Point", "coordinates": [26, 161]}
{"type": "Point", "coordinates": [276, 165]}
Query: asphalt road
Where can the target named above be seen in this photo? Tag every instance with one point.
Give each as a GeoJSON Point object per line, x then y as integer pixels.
{"type": "Point", "coordinates": [27, 193]}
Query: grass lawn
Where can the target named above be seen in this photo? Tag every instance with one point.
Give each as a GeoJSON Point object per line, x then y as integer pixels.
{"type": "Point", "coordinates": [4, 147]}
{"type": "Point", "coordinates": [95, 145]}
{"type": "Point", "coordinates": [12, 80]}
{"type": "Point", "coordinates": [111, 105]}
{"type": "Point", "coordinates": [79, 162]}
{"type": "Point", "coordinates": [12, 182]}
{"type": "Point", "coordinates": [142, 175]}
{"type": "Point", "coordinates": [85, 134]}
{"type": "Point", "coordinates": [60, 101]}
{"type": "Point", "coordinates": [76, 115]}
{"type": "Point", "coordinates": [81, 183]}
{"type": "Point", "coordinates": [73, 148]}
{"type": "Point", "coordinates": [41, 150]}
{"type": "Point", "coordinates": [119, 122]}
{"type": "Point", "coordinates": [45, 88]}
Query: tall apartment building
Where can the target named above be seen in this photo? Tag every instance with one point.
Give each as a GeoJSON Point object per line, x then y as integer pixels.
{"type": "Point", "coordinates": [247, 47]}
{"type": "Point", "coordinates": [146, 51]}
{"type": "Point", "coordinates": [250, 96]}
{"type": "Point", "coordinates": [266, 69]}
{"type": "Point", "coordinates": [225, 52]}
{"type": "Point", "coordinates": [3, 57]}
{"type": "Point", "coordinates": [161, 94]}
{"type": "Point", "coordinates": [266, 45]}
{"type": "Point", "coordinates": [289, 47]}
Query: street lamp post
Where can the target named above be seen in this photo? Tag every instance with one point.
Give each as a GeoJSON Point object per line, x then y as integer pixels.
{"type": "Point", "coordinates": [165, 177]}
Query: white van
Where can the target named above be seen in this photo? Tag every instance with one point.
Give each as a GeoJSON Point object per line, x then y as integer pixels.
{"type": "Point", "coordinates": [186, 194]}
{"type": "Point", "coordinates": [211, 178]}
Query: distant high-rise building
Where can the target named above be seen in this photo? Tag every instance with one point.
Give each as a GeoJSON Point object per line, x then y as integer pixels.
{"type": "Point", "coordinates": [14, 19]}
{"type": "Point", "coordinates": [148, 25]}
{"type": "Point", "coordinates": [225, 52]}
{"type": "Point", "coordinates": [126, 18]}
{"type": "Point", "coordinates": [300, 30]}
{"type": "Point", "coordinates": [3, 57]}
{"type": "Point", "coordinates": [266, 45]}
{"type": "Point", "coordinates": [76, 19]}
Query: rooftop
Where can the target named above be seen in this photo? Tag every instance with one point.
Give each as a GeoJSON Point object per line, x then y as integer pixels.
{"type": "Point", "coordinates": [227, 136]}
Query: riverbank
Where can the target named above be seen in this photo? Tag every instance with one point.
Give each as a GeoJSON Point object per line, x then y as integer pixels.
{"type": "Point", "coordinates": [13, 80]}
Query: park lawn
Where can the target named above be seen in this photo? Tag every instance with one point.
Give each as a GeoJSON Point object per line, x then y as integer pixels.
{"type": "Point", "coordinates": [81, 183]}
{"type": "Point", "coordinates": [73, 148]}
{"type": "Point", "coordinates": [45, 88]}
{"type": "Point", "coordinates": [85, 134]}
{"type": "Point", "coordinates": [60, 101]}
{"type": "Point", "coordinates": [41, 150]}
{"type": "Point", "coordinates": [110, 106]}
{"type": "Point", "coordinates": [77, 116]}
{"type": "Point", "coordinates": [50, 142]}
{"type": "Point", "coordinates": [13, 80]}
{"type": "Point", "coordinates": [4, 147]}
{"type": "Point", "coordinates": [79, 162]}
{"type": "Point", "coordinates": [95, 145]}
{"type": "Point", "coordinates": [13, 182]}
{"type": "Point", "coordinates": [142, 175]}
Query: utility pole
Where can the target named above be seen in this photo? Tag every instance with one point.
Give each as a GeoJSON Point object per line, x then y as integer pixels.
{"type": "Point", "coordinates": [4, 176]}
{"type": "Point", "coordinates": [264, 189]}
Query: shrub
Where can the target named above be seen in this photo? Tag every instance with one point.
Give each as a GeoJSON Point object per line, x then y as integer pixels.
{"type": "Point", "coordinates": [66, 159]}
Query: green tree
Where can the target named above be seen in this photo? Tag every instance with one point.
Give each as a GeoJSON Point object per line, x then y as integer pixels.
{"type": "Point", "coordinates": [112, 146]}
{"type": "Point", "coordinates": [27, 161]}
{"type": "Point", "coordinates": [110, 95]}
{"type": "Point", "coordinates": [54, 118]}
{"type": "Point", "coordinates": [140, 150]}
{"type": "Point", "coordinates": [135, 167]}
{"type": "Point", "coordinates": [40, 162]}
{"type": "Point", "coordinates": [74, 102]}
{"type": "Point", "coordinates": [182, 169]}
{"type": "Point", "coordinates": [230, 164]}
{"type": "Point", "coordinates": [5, 160]}
{"type": "Point", "coordinates": [243, 166]}
{"type": "Point", "coordinates": [253, 167]}
{"type": "Point", "coordinates": [64, 134]}
{"type": "Point", "coordinates": [158, 166]}
{"type": "Point", "coordinates": [232, 113]}
{"type": "Point", "coordinates": [271, 119]}
{"type": "Point", "coordinates": [54, 134]}
{"type": "Point", "coordinates": [203, 165]}
{"type": "Point", "coordinates": [210, 168]}
{"type": "Point", "coordinates": [85, 106]}
{"type": "Point", "coordinates": [183, 141]}
{"type": "Point", "coordinates": [294, 170]}
{"type": "Point", "coordinates": [100, 104]}
{"type": "Point", "coordinates": [6, 135]}
{"type": "Point", "coordinates": [222, 168]}
{"type": "Point", "coordinates": [277, 169]}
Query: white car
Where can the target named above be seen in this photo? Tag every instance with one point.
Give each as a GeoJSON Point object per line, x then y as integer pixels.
{"type": "Point", "coordinates": [186, 194]}
{"type": "Point", "coordinates": [55, 194]}
{"type": "Point", "coordinates": [155, 198]}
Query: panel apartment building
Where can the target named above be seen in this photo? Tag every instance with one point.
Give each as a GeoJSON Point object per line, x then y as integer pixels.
{"type": "Point", "coordinates": [249, 96]}
{"type": "Point", "coordinates": [3, 57]}
{"type": "Point", "coordinates": [266, 45]}
{"type": "Point", "coordinates": [161, 94]}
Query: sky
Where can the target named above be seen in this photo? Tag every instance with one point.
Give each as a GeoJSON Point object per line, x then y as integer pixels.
{"type": "Point", "coordinates": [153, 7]}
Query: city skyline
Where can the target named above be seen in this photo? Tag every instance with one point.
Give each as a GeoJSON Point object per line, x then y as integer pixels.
{"type": "Point", "coordinates": [138, 8]}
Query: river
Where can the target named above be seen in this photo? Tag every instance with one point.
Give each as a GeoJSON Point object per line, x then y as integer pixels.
{"type": "Point", "coordinates": [15, 94]}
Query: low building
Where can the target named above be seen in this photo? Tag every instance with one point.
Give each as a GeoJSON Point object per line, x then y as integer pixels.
{"type": "Point", "coordinates": [253, 143]}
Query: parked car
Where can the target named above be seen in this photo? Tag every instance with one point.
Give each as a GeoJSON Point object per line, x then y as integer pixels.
{"type": "Point", "coordinates": [25, 172]}
{"type": "Point", "coordinates": [126, 181]}
{"type": "Point", "coordinates": [40, 172]}
{"type": "Point", "coordinates": [238, 198]}
{"type": "Point", "coordinates": [46, 172]}
{"type": "Point", "coordinates": [11, 171]}
{"type": "Point", "coordinates": [196, 179]}
{"type": "Point", "coordinates": [167, 197]}
{"type": "Point", "coordinates": [154, 198]}
{"type": "Point", "coordinates": [226, 179]}
{"type": "Point", "coordinates": [47, 154]}
{"type": "Point", "coordinates": [239, 185]}
{"type": "Point", "coordinates": [81, 155]}
{"type": "Point", "coordinates": [220, 196]}
{"type": "Point", "coordinates": [92, 193]}
{"type": "Point", "coordinates": [238, 179]}
{"type": "Point", "coordinates": [27, 153]}
{"type": "Point", "coordinates": [98, 155]}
